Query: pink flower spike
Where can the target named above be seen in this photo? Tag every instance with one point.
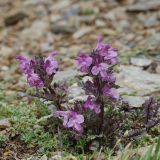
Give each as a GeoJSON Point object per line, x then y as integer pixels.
{"type": "Point", "coordinates": [110, 92]}
{"type": "Point", "coordinates": [83, 62]}
{"type": "Point", "coordinates": [100, 68]}
{"type": "Point", "coordinates": [50, 64]}
{"type": "Point", "coordinates": [71, 120]}
{"type": "Point", "coordinates": [35, 81]}
{"type": "Point", "coordinates": [24, 64]}
{"type": "Point", "coordinates": [90, 103]}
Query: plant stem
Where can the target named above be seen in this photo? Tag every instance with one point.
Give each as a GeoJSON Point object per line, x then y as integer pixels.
{"type": "Point", "coordinates": [101, 117]}
{"type": "Point", "coordinates": [101, 102]}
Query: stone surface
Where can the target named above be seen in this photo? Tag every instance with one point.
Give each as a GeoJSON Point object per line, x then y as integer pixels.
{"type": "Point", "coordinates": [81, 32]}
{"type": "Point", "coordinates": [151, 21]}
{"type": "Point", "coordinates": [4, 123]}
{"type": "Point", "coordinates": [62, 27]}
{"type": "Point", "coordinates": [143, 7]}
{"type": "Point", "coordinates": [75, 91]}
{"type": "Point", "coordinates": [158, 69]}
{"type": "Point", "coordinates": [135, 80]}
{"type": "Point", "coordinates": [142, 62]}
{"type": "Point", "coordinates": [100, 23]}
{"type": "Point", "coordinates": [36, 32]}
{"type": "Point", "coordinates": [64, 75]}
{"type": "Point", "coordinates": [5, 51]}
{"type": "Point", "coordinates": [15, 18]}
{"type": "Point", "coordinates": [135, 101]}
{"type": "Point", "coordinates": [44, 157]}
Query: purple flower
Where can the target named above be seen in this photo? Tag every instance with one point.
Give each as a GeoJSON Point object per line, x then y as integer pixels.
{"type": "Point", "coordinates": [90, 103]}
{"type": "Point", "coordinates": [100, 69]}
{"type": "Point", "coordinates": [72, 120]}
{"type": "Point", "coordinates": [110, 92]}
{"type": "Point", "coordinates": [110, 77]}
{"type": "Point", "coordinates": [111, 56]}
{"type": "Point", "coordinates": [89, 87]}
{"type": "Point", "coordinates": [84, 62]}
{"type": "Point", "coordinates": [50, 64]}
{"type": "Point", "coordinates": [34, 80]}
{"type": "Point", "coordinates": [107, 51]}
{"type": "Point", "coordinates": [24, 64]}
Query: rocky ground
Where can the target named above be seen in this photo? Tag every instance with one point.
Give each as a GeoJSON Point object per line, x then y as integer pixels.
{"type": "Point", "coordinates": [37, 27]}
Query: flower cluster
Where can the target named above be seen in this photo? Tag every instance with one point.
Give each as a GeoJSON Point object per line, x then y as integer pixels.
{"type": "Point", "coordinates": [71, 120]}
{"type": "Point", "coordinates": [39, 71]}
{"type": "Point", "coordinates": [99, 66]}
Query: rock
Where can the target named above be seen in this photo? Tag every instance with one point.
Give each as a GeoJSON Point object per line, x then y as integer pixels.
{"type": "Point", "coordinates": [4, 68]}
{"type": "Point", "coordinates": [110, 15]}
{"type": "Point", "coordinates": [134, 101]}
{"type": "Point", "coordinates": [52, 108]}
{"type": "Point", "coordinates": [87, 19]}
{"type": "Point", "coordinates": [100, 23]}
{"type": "Point", "coordinates": [44, 157]}
{"type": "Point", "coordinates": [62, 27]}
{"type": "Point", "coordinates": [144, 7]}
{"type": "Point", "coordinates": [56, 156]}
{"type": "Point", "coordinates": [151, 21]}
{"type": "Point", "coordinates": [4, 123]}
{"type": "Point", "coordinates": [15, 18]}
{"type": "Point", "coordinates": [80, 33]}
{"type": "Point", "coordinates": [5, 51]}
{"type": "Point", "coordinates": [135, 80]}
{"type": "Point", "coordinates": [54, 18]}
{"type": "Point", "coordinates": [36, 31]}
{"type": "Point", "coordinates": [123, 25]}
{"type": "Point", "coordinates": [46, 47]}
{"type": "Point", "coordinates": [141, 62]}
{"type": "Point", "coordinates": [64, 75]}
{"type": "Point", "coordinates": [153, 43]}
{"type": "Point", "coordinates": [158, 69]}
{"type": "Point", "coordinates": [75, 91]}
{"type": "Point", "coordinates": [94, 145]}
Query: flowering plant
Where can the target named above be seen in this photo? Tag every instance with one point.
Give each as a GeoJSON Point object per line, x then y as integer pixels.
{"type": "Point", "coordinates": [101, 89]}
{"type": "Point", "coordinates": [103, 113]}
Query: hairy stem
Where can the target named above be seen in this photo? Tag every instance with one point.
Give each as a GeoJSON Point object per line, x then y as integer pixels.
{"type": "Point", "coordinates": [101, 117]}
{"type": "Point", "coordinates": [101, 102]}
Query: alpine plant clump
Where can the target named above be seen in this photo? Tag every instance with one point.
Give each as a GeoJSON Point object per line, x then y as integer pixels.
{"type": "Point", "coordinates": [101, 89]}
{"type": "Point", "coordinates": [98, 65]}
{"type": "Point", "coordinates": [103, 113]}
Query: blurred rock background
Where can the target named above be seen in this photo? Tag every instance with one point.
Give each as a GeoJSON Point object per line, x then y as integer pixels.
{"type": "Point", "coordinates": [37, 27]}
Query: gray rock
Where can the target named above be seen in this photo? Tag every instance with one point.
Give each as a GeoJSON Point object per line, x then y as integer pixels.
{"type": "Point", "coordinates": [94, 146]}
{"type": "Point", "coordinates": [64, 75]}
{"type": "Point", "coordinates": [36, 31]}
{"type": "Point", "coordinates": [75, 91]}
{"type": "Point", "coordinates": [145, 6]}
{"type": "Point", "coordinates": [100, 23]}
{"type": "Point", "coordinates": [151, 21]}
{"type": "Point", "coordinates": [135, 80]}
{"type": "Point", "coordinates": [15, 18]}
{"type": "Point", "coordinates": [52, 108]}
{"type": "Point", "coordinates": [158, 69]}
{"type": "Point", "coordinates": [80, 33]}
{"type": "Point", "coordinates": [4, 123]}
{"type": "Point", "coordinates": [135, 101]}
{"type": "Point", "coordinates": [62, 27]}
{"type": "Point", "coordinates": [142, 62]}
{"type": "Point", "coordinates": [44, 157]}
{"type": "Point", "coordinates": [5, 51]}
